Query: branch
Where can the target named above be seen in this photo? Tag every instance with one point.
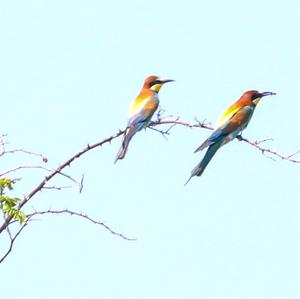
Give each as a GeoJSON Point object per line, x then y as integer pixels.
{"type": "Point", "coordinates": [44, 159]}
{"type": "Point", "coordinates": [265, 151]}
{"type": "Point", "coordinates": [204, 125]}
{"type": "Point", "coordinates": [79, 184]}
{"type": "Point", "coordinates": [23, 167]}
{"type": "Point", "coordinates": [86, 217]}
{"type": "Point", "coordinates": [177, 121]}
{"type": "Point", "coordinates": [59, 188]}
{"type": "Point", "coordinates": [56, 171]}
{"type": "Point", "coordinates": [5, 151]}
{"type": "Point", "coordinates": [30, 217]}
{"type": "Point", "coordinates": [160, 121]}
{"type": "Point", "coordinates": [12, 239]}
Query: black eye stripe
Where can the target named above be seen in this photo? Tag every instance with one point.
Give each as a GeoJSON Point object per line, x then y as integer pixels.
{"type": "Point", "coordinates": [255, 96]}
{"type": "Point", "coordinates": [154, 82]}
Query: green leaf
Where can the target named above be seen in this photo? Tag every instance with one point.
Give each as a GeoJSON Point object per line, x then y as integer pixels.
{"type": "Point", "coordinates": [8, 204]}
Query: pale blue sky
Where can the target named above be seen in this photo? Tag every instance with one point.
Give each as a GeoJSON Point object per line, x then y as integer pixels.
{"type": "Point", "coordinates": [69, 70]}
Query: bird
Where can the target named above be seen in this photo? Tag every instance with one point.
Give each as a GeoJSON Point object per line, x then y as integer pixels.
{"type": "Point", "coordinates": [142, 110]}
{"type": "Point", "coordinates": [231, 124]}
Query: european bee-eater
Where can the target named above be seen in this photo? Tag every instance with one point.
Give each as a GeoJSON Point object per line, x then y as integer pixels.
{"type": "Point", "coordinates": [232, 122]}
{"type": "Point", "coordinates": [141, 110]}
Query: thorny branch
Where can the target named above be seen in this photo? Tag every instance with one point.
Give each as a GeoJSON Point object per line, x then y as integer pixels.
{"type": "Point", "coordinates": [12, 239]}
{"type": "Point", "coordinates": [22, 167]}
{"type": "Point", "coordinates": [58, 170]}
{"type": "Point", "coordinates": [80, 215]}
{"type": "Point", "coordinates": [30, 217]}
{"type": "Point", "coordinates": [55, 172]}
{"type": "Point", "coordinates": [160, 121]}
{"type": "Point", "coordinates": [257, 144]}
{"type": "Point", "coordinates": [266, 151]}
{"type": "Point", "coordinates": [13, 151]}
{"type": "Point", "coordinates": [44, 159]}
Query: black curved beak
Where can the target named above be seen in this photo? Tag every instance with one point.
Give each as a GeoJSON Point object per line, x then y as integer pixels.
{"type": "Point", "coordinates": [266, 93]}
{"type": "Point", "coordinates": [166, 81]}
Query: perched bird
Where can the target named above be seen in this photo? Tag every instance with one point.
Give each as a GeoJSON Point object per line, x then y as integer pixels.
{"type": "Point", "coordinates": [232, 122]}
{"type": "Point", "coordinates": [141, 110]}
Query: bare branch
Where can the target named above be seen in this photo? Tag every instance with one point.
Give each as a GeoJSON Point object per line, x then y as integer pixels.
{"type": "Point", "coordinates": [256, 144]}
{"type": "Point", "coordinates": [168, 120]}
{"type": "Point", "coordinates": [30, 217]}
{"type": "Point", "coordinates": [79, 184]}
{"type": "Point", "coordinates": [178, 121]}
{"type": "Point", "coordinates": [292, 155]}
{"type": "Point", "coordinates": [24, 167]}
{"type": "Point", "coordinates": [58, 170]}
{"type": "Point", "coordinates": [13, 151]}
{"type": "Point", "coordinates": [59, 188]}
{"type": "Point", "coordinates": [266, 151]}
{"type": "Point", "coordinates": [44, 158]}
{"type": "Point", "coordinates": [163, 133]}
{"type": "Point", "coordinates": [12, 239]}
{"type": "Point", "coordinates": [86, 217]}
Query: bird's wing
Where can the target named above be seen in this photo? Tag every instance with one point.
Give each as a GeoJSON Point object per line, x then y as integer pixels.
{"type": "Point", "coordinates": [227, 114]}
{"type": "Point", "coordinates": [142, 110]}
{"type": "Point", "coordinates": [237, 122]}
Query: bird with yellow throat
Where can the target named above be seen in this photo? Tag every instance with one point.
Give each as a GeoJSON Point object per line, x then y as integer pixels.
{"type": "Point", "coordinates": [141, 110]}
{"type": "Point", "coordinates": [232, 122]}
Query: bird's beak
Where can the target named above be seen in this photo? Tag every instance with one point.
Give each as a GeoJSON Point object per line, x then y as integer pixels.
{"type": "Point", "coordinates": [166, 81]}
{"type": "Point", "coordinates": [267, 93]}
{"type": "Point", "coordinates": [262, 94]}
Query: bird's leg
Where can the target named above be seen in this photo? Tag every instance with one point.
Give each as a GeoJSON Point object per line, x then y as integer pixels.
{"type": "Point", "coordinates": [239, 137]}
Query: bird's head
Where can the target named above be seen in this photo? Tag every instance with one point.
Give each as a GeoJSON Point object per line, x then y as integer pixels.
{"type": "Point", "coordinates": [255, 96]}
{"type": "Point", "coordinates": [155, 83]}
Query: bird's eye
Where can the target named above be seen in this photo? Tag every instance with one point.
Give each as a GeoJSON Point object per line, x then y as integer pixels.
{"type": "Point", "coordinates": [154, 82]}
{"type": "Point", "coordinates": [256, 96]}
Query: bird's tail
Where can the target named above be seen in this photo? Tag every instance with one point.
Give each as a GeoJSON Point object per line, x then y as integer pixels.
{"type": "Point", "coordinates": [205, 144]}
{"type": "Point", "coordinates": [199, 169]}
{"type": "Point", "coordinates": [129, 133]}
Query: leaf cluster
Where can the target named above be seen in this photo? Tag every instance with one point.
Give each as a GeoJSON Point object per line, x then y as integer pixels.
{"type": "Point", "coordinates": [9, 205]}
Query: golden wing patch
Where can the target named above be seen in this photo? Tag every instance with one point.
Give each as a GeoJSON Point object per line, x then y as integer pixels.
{"type": "Point", "coordinates": [227, 114]}
{"type": "Point", "coordinates": [145, 106]}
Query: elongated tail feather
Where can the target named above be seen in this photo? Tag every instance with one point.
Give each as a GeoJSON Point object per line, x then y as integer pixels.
{"type": "Point", "coordinates": [205, 144]}
{"type": "Point", "coordinates": [214, 138]}
{"type": "Point", "coordinates": [130, 132]}
{"type": "Point", "coordinates": [199, 169]}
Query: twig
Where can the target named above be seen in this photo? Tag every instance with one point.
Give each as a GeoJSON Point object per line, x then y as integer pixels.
{"type": "Point", "coordinates": [265, 151]}
{"type": "Point", "coordinates": [12, 240]}
{"type": "Point", "coordinates": [178, 121]}
{"type": "Point", "coordinates": [57, 187]}
{"type": "Point", "coordinates": [86, 217]}
{"type": "Point", "coordinates": [79, 184]}
{"type": "Point", "coordinates": [24, 167]}
{"type": "Point", "coordinates": [163, 133]}
{"type": "Point", "coordinates": [161, 121]}
{"type": "Point", "coordinates": [4, 151]}
{"type": "Point", "coordinates": [44, 158]}
{"type": "Point", "coordinates": [58, 170]}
